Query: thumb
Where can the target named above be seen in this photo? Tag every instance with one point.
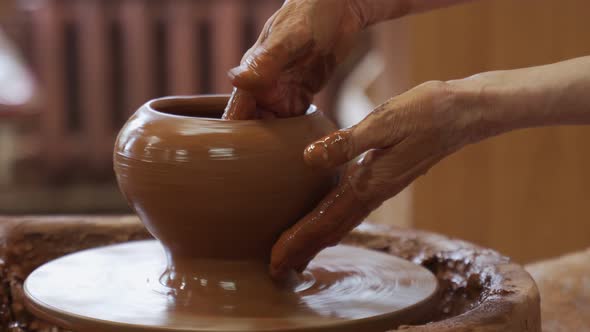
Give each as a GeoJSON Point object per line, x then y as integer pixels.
{"type": "Point", "coordinates": [377, 131]}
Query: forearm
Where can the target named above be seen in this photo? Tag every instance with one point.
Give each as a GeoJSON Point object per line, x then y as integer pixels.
{"type": "Point", "coordinates": [375, 11]}
{"type": "Point", "coordinates": [555, 94]}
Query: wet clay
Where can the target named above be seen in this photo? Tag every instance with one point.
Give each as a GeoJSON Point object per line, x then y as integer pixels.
{"type": "Point", "coordinates": [344, 289]}
{"type": "Point", "coordinates": [480, 289]}
{"type": "Point", "coordinates": [218, 189]}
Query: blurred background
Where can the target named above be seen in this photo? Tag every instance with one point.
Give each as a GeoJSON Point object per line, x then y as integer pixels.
{"type": "Point", "coordinates": [72, 72]}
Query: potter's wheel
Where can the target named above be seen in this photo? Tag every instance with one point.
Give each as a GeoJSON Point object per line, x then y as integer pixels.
{"type": "Point", "coordinates": [119, 288]}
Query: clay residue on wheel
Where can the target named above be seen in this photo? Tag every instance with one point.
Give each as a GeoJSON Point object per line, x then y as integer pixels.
{"type": "Point", "coordinates": [480, 289]}
{"type": "Point", "coordinates": [472, 280]}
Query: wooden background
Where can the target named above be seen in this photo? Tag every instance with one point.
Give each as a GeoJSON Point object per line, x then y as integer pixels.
{"type": "Point", "coordinates": [527, 193]}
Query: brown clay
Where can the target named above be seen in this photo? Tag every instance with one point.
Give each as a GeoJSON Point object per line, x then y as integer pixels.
{"type": "Point", "coordinates": [481, 290]}
{"type": "Point", "coordinates": [218, 194]}
{"type": "Point", "coordinates": [117, 288]}
{"type": "Point", "coordinates": [218, 189]}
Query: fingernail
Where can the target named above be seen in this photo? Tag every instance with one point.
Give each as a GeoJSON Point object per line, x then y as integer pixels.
{"type": "Point", "coordinates": [316, 155]}
{"type": "Point", "coordinates": [330, 151]}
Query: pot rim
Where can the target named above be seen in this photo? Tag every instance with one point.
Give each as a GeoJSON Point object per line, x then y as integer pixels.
{"type": "Point", "coordinates": [184, 100]}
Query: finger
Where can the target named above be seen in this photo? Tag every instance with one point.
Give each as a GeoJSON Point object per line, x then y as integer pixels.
{"type": "Point", "coordinates": [241, 106]}
{"type": "Point", "coordinates": [382, 174]}
{"type": "Point", "coordinates": [264, 34]}
{"type": "Point", "coordinates": [261, 38]}
{"type": "Point", "coordinates": [261, 67]}
{"type": "Point", "coordinates": [338, 212]}
{"type": "Point", "coordinates": [284, 100]}
{"type": "Point", "coordinates": [371, 181]}
{"type": "Point", "coordinates": [379, 130]}
{"type": "Point", "coordinates": [272, 54]}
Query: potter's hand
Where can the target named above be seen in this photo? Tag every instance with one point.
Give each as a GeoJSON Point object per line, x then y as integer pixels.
{"type": "Point", "coordinates": [299, 48]}
{"type": "Point", "coordinates": [294, 56]}
{"type": "Point", "coordinates": [410, 133]}
{"type": "Point", "coordinates": [404, 137]}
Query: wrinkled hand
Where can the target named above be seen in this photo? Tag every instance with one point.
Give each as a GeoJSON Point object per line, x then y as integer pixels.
{"type": "Point", "coordinates": [293, 58]}
{"type": "Point", "coordinates": [402, 139]}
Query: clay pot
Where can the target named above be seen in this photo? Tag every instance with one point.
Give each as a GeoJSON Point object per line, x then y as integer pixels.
{"type": "Point", "coordinates": [216, 189]}
{"type": "Point", "coordinates": [218, 194]}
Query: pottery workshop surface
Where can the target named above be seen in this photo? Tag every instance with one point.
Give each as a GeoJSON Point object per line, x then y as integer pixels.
{"type": "Point", "coordinates": [482, 290]}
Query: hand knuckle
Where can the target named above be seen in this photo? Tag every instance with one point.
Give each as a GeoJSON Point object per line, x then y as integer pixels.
{"type": "Point", "coordinates": [437, 89]}
{"type": "Point", "coordinates": [357, 13]}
